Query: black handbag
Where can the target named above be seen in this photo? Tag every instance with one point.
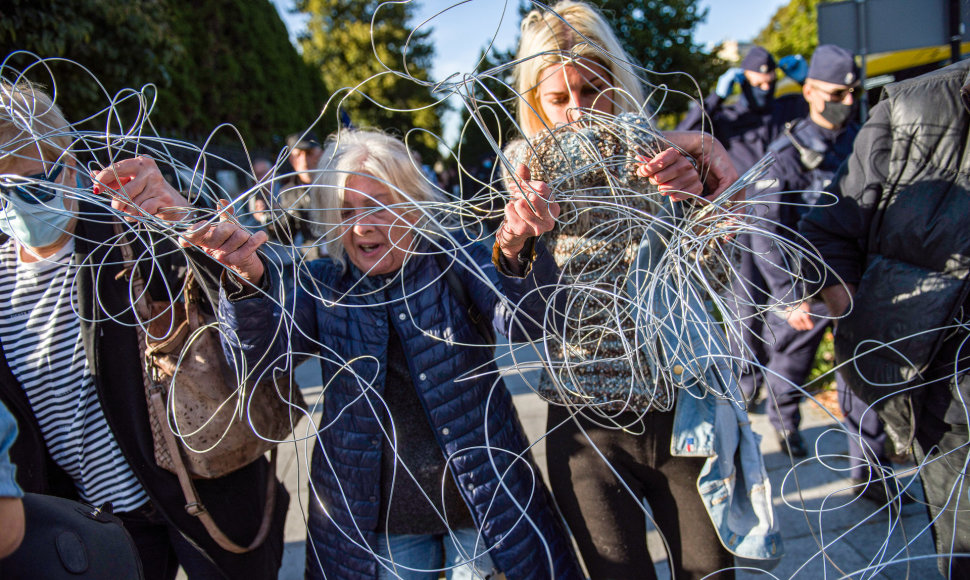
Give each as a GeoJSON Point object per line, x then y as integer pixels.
{"type": "Point", "coordinates": [71, 540]}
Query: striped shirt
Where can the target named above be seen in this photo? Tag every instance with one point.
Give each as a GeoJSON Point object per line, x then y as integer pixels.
{"type": "Point", "coordinates": [41, 336]}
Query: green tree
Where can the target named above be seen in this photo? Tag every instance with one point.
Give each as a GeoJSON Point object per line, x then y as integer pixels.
{"type": "Point", "coordinates": [213, 62]}
{"type": "Point", "coordinates": [658, 34]}
{"type": "Point", "coordinates": [488, 107]}
{"type": "Point", "coordinates": [123, 43]}
{"type": "Point", "coordinates": [241, 69]}
{"type": "Point", "coordinates": [368, 55]}
{"type": "Point", "coordinates": [792, 30]}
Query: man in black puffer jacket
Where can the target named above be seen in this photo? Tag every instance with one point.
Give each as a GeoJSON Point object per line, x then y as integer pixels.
{"type": "Point", "coordinates": [899, 239]}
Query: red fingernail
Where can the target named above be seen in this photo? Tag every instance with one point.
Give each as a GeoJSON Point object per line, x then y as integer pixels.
{"type": "Point", "coordinates": [97, 190]}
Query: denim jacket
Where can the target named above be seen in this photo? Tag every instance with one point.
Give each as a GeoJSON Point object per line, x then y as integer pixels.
{"type": "Point", "coordinates": [8, 434]}
{"type": "Point", "coordinates": [709, 419]}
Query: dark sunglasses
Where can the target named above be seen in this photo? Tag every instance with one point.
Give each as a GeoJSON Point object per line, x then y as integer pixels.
{"type": "Point", "coordinates": [34, 192]}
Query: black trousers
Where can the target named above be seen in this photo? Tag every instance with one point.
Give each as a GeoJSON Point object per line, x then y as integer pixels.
{"type": "Point", "coordinates": [607, 520]}
{"type": "Point", "coordinates": [943, 457]}
{"type": "Point", "coordinates": [163, 549]}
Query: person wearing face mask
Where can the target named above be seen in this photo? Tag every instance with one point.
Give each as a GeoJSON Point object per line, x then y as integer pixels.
{"type": "Point", "coordinates": [71, 371]}
{"type": "Point", "coordinates": [747, 126]}
{"type": "Point", "coordinates": [806, 158]}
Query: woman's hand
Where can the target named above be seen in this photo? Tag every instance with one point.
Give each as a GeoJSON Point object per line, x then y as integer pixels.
{"type": "Point", "coordinates": [138, 188]}
{"type": "Point", "coordinates": [800, 317]}
{"type": "Point", "coordinates": [229, 243]}
{"type": "Point", "coordinates": [672, 173]}
{"type": "Point", "coordinates": [716, 166]}
{"type": "Point", "coordinates": [522, 220]}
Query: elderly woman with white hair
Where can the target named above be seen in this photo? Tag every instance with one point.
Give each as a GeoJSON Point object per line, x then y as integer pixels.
{"type": "Point", "coordinates": [420, 464]}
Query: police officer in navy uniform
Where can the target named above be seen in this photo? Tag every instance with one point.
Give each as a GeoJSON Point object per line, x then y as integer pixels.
{"type": "Point", "coordinates": [807, 156]}
{"type": "Point", "coordinates": [746, 128]}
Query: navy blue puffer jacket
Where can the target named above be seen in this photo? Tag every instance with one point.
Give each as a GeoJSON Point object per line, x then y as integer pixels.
{"type": "Point", "coordinates": [345, 317]}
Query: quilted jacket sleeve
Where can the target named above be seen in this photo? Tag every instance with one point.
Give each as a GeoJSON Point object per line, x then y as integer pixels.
{"type": "Point", "coordinates": [262, 331]}
{"type": "Point", "coordinates": [528, 300]}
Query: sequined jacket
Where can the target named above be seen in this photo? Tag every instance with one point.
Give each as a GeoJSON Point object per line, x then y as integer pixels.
{"type": "Point", "coordinates": [597, 360]}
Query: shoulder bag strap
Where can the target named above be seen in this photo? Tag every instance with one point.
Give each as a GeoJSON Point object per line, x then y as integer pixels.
{"type": "Point", "coordinates": [193, 504]}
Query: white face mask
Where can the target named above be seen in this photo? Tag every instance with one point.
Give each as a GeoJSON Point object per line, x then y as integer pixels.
{"type": "Point", "coordinates": [35, 223]}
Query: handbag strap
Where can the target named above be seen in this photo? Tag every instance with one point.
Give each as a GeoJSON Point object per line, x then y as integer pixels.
{"type": "Point", "coordinates": [194, 506]}
{"type": "Point", "coordinates": [143, 301]}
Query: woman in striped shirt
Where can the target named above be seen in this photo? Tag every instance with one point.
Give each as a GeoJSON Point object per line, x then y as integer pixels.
{"type": "Point", "coordinates": [71, 370]}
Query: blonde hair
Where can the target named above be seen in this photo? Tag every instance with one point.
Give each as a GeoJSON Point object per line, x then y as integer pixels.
{"type": "Point", "coordinates": [358, 151]}
{"type": "Point", "coordinates": [29, 119]}
{"type": "Point", "coordinates": [570, 30]}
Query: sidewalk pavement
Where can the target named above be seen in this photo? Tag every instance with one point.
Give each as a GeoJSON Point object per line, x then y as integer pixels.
{"type": "Point", "coordinates": [827, 530]}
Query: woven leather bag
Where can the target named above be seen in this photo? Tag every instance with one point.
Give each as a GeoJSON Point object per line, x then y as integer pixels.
{"type": "Point", "coordinates": [204, 423]}
{"type": "Point", "coordinates": [221, 425]}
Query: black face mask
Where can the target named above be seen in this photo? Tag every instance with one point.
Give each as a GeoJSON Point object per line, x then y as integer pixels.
{"type": "Point", "coordinates": [758, 100]}
{"type": "Point", "coordinates": [839, 114]}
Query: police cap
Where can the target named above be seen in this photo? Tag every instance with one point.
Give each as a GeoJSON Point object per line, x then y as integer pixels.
{"type": "Point", "coordinates": [833, 64]}
{"type": "Point", "coordinates": [758, 60]}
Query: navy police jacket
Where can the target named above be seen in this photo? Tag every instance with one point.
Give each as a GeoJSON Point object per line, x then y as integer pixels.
{"type": "Point", "coordinates": [345, 316]}
{"type": "Point", "coordinates": [806, 158]}
{"type": "Point", "coordinates": [745, 133]}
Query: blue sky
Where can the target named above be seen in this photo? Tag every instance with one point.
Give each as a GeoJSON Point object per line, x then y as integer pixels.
{"type": "Point", "coordinates": [461, 29]}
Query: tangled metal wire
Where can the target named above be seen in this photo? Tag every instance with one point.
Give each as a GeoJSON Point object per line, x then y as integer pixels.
{"type": "Point", "coordinates": [628, 255]}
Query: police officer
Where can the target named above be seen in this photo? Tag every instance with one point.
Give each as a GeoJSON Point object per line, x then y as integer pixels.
{"type": "Point", "coordinates": [746, 128]}
{"type": "Point", "coordinates": [807, 156]}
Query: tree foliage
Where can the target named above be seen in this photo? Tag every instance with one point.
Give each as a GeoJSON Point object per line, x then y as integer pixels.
{"type": "Point", "coordinates": [243, 70]}
{"type": "Point", "coordinates": [658, 34]}
{"type": "Point", "coordinates": [792, 30]}
{"type": "Point", "coordinates": [124, 44]}
{"type": "Point", "coordinates": [378, 66]}
{"type": "Point", "coordinates": [493, 101]}
{"type": "Point", "coordinates": [212, 62]}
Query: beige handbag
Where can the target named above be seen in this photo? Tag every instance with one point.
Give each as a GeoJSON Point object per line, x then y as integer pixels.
{"type": "Point", "coordinates": [221, 425]}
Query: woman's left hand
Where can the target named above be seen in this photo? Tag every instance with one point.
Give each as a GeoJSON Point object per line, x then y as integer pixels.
{"type": "Point", "coordinates": [138, 188]}
{"type": "Point", "coordinates": [530, 213]}
{"type": "Point", "coordinates": [715, 164]}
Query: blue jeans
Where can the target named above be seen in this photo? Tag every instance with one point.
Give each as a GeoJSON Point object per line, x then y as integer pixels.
{"type": "Point", "coordinates": [422, 556]}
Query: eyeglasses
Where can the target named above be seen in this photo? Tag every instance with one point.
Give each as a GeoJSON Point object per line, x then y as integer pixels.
{"type": "Point", "coordinates": [32, 191]}
{"type": "Point", "coordinates": [838, 95]}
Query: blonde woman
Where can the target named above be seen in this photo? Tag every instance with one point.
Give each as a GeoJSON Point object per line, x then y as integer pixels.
{"type": "Point", "coordinates": [421, 463]}
{"type": "Point", "coordinates": [610, 420]}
